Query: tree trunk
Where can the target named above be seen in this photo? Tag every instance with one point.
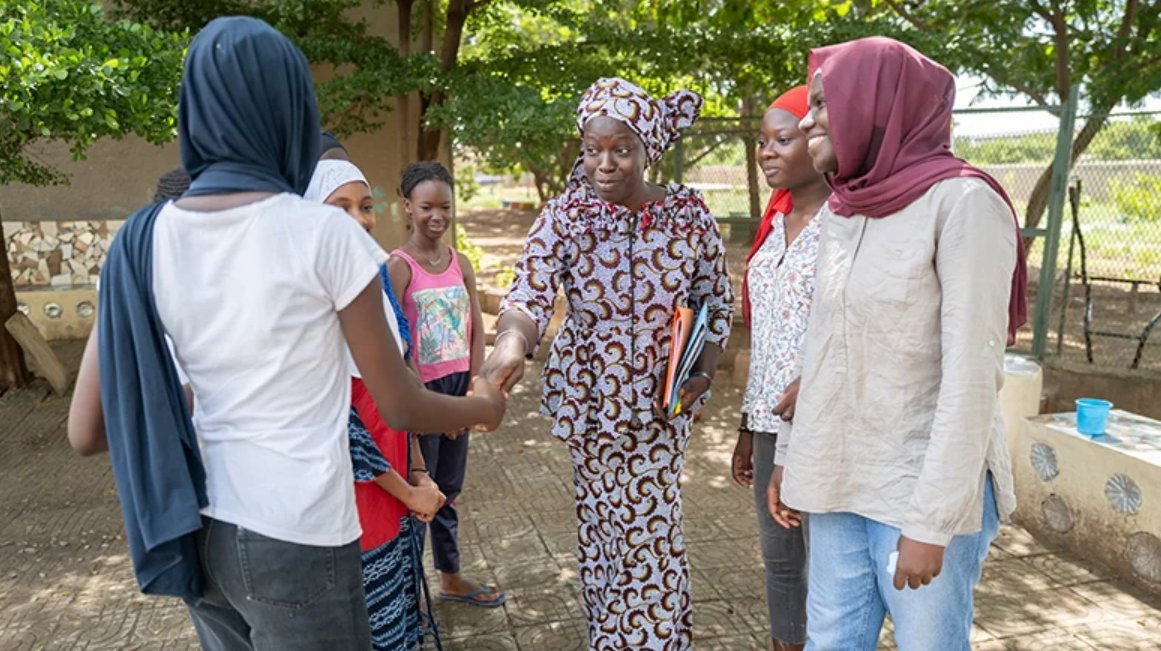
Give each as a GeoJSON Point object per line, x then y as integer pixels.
{"type": "Point", "coordinates": [453, 34]}
{"type": "Point", "coordinates": [753, 189]}
{"type": "Point", "coordinates": [429, 140]}
{"type": "Point", "coordinates": [540, 178]}
{"type": "Point", "coordinates": [403, 102]}
{"type": "Point", "coordinates": [427, 39]}
{"type": "Point", "coordinates": [1038, 200]}
{"type": "Point", "coordinates": [13, 369]}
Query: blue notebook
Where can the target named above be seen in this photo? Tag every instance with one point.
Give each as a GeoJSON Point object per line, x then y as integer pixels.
{"type": "Point", "coordinates": [687, 346]}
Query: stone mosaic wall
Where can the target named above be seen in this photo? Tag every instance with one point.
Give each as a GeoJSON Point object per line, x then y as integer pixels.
{"type": "Point", "coordinates": [59, 255]}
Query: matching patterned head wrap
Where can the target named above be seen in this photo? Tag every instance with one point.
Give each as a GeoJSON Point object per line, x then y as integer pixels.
{"type": "Point", "coordinates": [658, 123]}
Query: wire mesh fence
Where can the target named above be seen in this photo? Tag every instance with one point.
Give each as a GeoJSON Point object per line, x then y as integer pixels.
{"type": "Point", "coordinates": [1106, 286]}
{"type": "Point", "coordinates": [717, 158]}
{"type": "Point", "coordinates": [1108, 293]}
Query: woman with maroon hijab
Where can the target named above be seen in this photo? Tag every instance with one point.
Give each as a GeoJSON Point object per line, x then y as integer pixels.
{"type": "Point", "coordinates": [897, 450]}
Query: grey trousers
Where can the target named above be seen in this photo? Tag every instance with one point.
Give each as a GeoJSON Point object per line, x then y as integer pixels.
{"type": "Point", "coordinates": [264, 594]}
{"type": "Point", "coordinates": [783, 553]}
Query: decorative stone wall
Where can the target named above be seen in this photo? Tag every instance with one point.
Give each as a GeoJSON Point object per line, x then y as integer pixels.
{"type": "Point", "coordinates": [1098, 497]}
{"type": "Point", "coordinates": [57, 255]}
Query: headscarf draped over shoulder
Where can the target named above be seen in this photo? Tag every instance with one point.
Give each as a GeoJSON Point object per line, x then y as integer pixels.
{"type": "Point", "coordinates": [890, 124]}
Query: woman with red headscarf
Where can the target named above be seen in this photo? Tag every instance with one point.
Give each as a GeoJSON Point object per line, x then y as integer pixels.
{"type": "Point", "coordinates": [898, 450]}
{"type": "Point", "coordinates": [776, 297]}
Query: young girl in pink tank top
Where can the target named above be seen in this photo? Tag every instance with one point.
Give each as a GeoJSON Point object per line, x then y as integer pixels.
{"type": "Point", "coordinates": [437, 288]}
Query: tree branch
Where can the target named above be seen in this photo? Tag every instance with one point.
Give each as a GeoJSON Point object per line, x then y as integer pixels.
{"type": "Point", "coordinates": [1125, 30]}
{"type": "Point", "coordinates": [924, 26]}
{"type": "Point", "coordinates": [1063, 80]}
{"type": "Point", "coordinates": [1020, 87]}
{"type": "Point", "coordinates": [911, 18]}
{"type": "Point", "coordinates": [1041, 10]}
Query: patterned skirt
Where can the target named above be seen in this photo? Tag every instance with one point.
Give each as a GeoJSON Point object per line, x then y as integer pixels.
{"type": "Point", "coordinates": [391, 582]}
{"type": "Point", "coordinates": [633, 566]}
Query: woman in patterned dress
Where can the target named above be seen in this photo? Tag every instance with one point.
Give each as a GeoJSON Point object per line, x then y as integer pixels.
{"type": "Point", "coordinates": [627, 253]}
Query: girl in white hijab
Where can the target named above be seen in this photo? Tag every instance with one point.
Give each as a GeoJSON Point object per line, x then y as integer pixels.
{"type": "Point", "coordinates": [387, 492]}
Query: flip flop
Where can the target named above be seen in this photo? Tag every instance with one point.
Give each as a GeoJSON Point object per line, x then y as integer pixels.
{"type": "Point", "coordinates": [470, 598]}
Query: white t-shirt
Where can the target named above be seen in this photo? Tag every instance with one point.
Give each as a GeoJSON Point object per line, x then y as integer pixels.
{"type": "Point", "coordinates": [393, 324]}
{"type": "Point", "coordinates": [249, 297]}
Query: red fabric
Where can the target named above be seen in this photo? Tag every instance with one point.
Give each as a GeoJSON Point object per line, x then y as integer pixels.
{"type": "Point", "coordinates": [890, 126]}
{"type": "Point", "coordinates": [793, 101]}
{"type": "Point", "coordinates": [379, 511]}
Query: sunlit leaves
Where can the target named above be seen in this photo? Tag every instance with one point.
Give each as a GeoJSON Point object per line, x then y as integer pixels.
{"type": "Point", "coordinates": [67, 73]}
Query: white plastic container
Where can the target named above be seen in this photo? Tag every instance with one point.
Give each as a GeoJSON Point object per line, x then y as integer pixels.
{"type": "Point", "coordinates": [1020, 396]}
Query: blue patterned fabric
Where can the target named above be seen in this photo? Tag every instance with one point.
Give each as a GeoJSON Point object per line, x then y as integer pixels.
{"type": "Point", "coordinates": [391, 581]}
{"type": "Point", "coordinates": [366, 458]}
{"type": "Point", "coordinates": [404, 327]}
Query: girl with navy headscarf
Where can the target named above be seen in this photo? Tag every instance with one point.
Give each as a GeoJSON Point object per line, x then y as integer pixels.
{"type": "Point", "coordinates": [246, 510]}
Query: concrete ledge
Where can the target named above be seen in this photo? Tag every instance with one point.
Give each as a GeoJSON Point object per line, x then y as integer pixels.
{"type": "Point", "coordinates": [1137, 391]}
{"type": "Point", "coordinates": [1099, 498]}
{"type": "Point", "coordinates": [60, 313]}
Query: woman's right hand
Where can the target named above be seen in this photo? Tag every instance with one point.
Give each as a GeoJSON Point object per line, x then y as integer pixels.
{"type": "Point", "coordinates": [505, 366]}
{"type": "Point", "coordinates": [782, 514]}
{"type": "Point", "coordinates": [742, 465]}
{"type": "Point", "coordinates": [424, 500]}
{"type": "Point", "coordinates": [482, 388]}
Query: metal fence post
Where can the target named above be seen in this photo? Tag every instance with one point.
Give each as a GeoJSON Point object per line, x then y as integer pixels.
{"type": "Point", "coordinates": [1058, 191]}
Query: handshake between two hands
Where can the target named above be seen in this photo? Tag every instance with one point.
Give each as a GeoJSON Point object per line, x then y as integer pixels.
{"type": "Point", "coordinates": [504, 367]}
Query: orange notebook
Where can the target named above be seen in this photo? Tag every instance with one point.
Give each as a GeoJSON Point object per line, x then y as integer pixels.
{"type": "Point", "coordinates": [687, 339]}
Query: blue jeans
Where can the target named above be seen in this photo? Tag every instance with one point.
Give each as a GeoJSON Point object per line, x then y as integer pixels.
{"type": "Point", "coordinates": [851, 591]}
{"type": "Point", "coordinates": [264, 594]}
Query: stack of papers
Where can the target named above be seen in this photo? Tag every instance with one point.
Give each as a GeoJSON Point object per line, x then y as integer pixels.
{"type": "Point", "coordinates": [686, 343]}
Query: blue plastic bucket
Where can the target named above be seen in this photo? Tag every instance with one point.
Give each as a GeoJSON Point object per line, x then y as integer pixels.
{"type": "Point", "coordinates": [1092, 416]}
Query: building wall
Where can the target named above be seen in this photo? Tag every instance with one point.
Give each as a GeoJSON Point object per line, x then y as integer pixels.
{"type": "Point", "coordinates": [120, 176]}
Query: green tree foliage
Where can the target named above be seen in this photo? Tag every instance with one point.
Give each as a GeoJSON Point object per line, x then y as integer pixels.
{"type": "Point", "coordinates": [1138, 138]}
{"type": "Point", "coordinates": [1138, 200]}
{"type": "Point", "coordinates": [68, 74]}
{"type": "Point", "coordinates": [1106, 51]}
{"type": "Point", "coordinates": [516, 88]}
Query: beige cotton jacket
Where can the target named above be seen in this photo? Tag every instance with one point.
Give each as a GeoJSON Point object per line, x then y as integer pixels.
{"type": "Point", "coordinates": [898, 418]}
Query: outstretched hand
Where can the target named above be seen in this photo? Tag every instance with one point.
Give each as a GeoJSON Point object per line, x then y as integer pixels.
{"type": "Point", "coordinates": [481, 388]}
{"type": "Point", "coordinates": [504, 367]}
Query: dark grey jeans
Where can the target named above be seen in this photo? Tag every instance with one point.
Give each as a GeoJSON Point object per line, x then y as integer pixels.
{"type": "Point", "coordinates": [783, 552]}
{"type": "Point", "coordinates": [264, 594]}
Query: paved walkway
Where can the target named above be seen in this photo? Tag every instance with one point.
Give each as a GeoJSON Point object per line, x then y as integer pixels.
{"type": "Point", "coordinates": [65, 581]}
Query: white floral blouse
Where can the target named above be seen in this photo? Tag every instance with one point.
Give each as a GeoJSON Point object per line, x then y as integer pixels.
{"type": "Point", "coordinates": [781, 282]}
